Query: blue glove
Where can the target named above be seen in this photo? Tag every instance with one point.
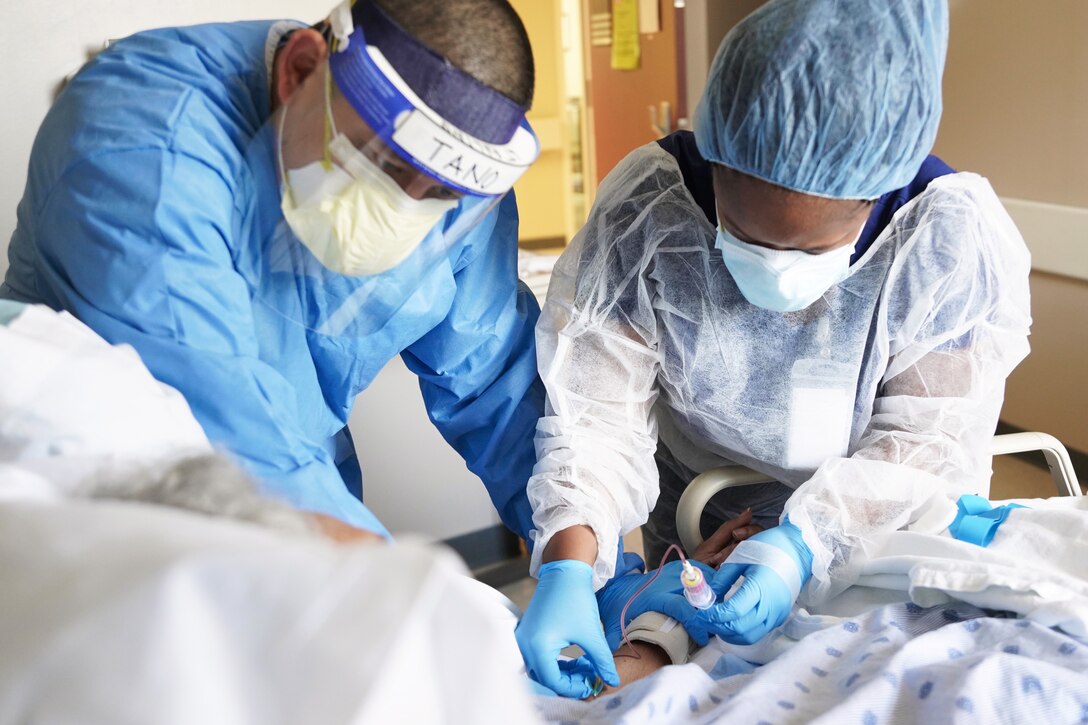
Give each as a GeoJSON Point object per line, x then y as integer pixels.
{"type": "Point", "coordinates": [537, 689]}
{"type": "Point", "coordinates": [665, 595]}
{"type": "Point", "coordinates": [775, 565]}
{"type": "Point", "coordinates": [562, 612]}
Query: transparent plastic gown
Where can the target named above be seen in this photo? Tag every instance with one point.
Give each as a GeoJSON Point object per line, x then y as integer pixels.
{"type": "Point", "coordinates": [645, 339]}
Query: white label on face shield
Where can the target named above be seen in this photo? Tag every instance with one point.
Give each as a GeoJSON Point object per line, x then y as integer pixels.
{"type": "Point", "coordinates": [469, 163]}
{"type": "Point", "coordinates": [821, 413]}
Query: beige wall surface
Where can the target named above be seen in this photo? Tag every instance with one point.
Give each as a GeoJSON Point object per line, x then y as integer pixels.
{"type": "Point", "coordinates": [706, 22]}
{"type": "Point", "coordinates": [1049, 391]}
{"type": "Point", "coordinates": [540, 192]}
{"type": "Point", "coordinates": [1016, 111]}
{"type": "Point", "coordinates": [1016, 97]}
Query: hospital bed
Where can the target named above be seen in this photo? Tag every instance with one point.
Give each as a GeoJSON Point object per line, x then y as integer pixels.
{"type": "Point", "coordinates": [925, 651]}
{"type": "Point", "coordinates": [128, 612]}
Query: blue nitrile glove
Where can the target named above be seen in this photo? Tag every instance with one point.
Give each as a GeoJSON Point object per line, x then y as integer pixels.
{"type": "Point", "coordinates": [537, 689]}
{"type": "Point", "coordinates": [977, 520]}
{"type": "Point", "coordinates": [775, 565]}
{"type": "Point", "coordinates": [562, 612]}
{"type": "Point", "coordinates": [665, 595]}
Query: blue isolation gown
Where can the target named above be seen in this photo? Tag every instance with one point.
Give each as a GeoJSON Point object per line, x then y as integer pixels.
{"type": "Point", "coordinates": [151, 196]}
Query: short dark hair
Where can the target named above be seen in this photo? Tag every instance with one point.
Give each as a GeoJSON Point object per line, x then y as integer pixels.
{"type": "Point", "coordinates": [484, 38]}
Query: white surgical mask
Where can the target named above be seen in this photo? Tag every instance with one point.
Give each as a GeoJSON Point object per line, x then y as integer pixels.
{"type": "Point", "coordinates": [350, 214]}
{"type": "Point", "coordinates": [782, 280]}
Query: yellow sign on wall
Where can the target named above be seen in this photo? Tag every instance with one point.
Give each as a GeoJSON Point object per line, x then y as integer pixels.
{"type": "Point", "coordinates": [625, 43]}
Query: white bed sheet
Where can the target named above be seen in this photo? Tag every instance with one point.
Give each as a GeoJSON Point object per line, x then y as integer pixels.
{"type": "Point", "coordinates": [114, 612]}
{"type": "Point", "coordinates": [1036, 566]}
{"type": "Point", "coordinates": [897, 664]}
{"type": "Point", "coordinates": [910, 643]}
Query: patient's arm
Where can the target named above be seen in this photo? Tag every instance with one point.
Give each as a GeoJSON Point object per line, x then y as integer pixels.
{"type": "Point", "coordinates": [635, 661]}
{"type": "Point", "coordinates": [214, 485]}
{"type": "Point", "coordinates": [340, 531]}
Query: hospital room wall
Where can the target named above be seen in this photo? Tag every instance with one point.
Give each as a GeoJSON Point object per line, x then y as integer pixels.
{"type": "Point", "coordinates": [45, 41]}
{"type": "Point", "coordinates": [705, 24]}
{"type": "Point", "coordinates": [1016, 111]}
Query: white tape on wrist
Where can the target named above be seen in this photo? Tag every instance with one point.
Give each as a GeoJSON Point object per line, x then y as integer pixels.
{"type": "Point", "coordinates": [756, 552]}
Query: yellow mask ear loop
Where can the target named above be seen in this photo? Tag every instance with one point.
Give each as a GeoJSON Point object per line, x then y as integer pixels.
{"type": "Point", "coordinates": [326, 162]}
{"type": "Point", "coordinates": [279, 149]}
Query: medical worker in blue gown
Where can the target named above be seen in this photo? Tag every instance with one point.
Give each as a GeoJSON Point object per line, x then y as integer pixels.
{"type": "Point", "coordinates": [797, 287]}
{"type": "Point", "coordinates": [268, 213]}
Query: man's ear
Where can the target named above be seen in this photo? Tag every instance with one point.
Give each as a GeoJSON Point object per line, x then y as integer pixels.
{"type": "Point", "coordinates": [303, 53]}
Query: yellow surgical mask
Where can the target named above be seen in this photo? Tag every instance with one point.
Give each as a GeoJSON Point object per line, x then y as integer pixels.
{"type": "Point", "coordinates": [350, 214]}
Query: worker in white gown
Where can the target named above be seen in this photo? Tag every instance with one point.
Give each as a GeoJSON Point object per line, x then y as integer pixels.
{"type": "Point", "coordinates": [797, 287]}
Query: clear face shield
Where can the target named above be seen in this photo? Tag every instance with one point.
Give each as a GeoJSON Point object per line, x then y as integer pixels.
{"type": "Point", "coordinates": [394, 196]}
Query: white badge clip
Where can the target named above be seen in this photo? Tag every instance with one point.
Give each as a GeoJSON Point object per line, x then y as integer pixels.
{"type": "Point", "coordinates": [341, 24]}
{"type": "Point", "coordinates": [821, 409]}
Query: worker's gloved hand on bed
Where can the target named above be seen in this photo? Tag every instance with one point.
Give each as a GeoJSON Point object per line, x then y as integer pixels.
{"type": "Point", "coordinates": [775, 564]}
{"type": "Point", "coordinates": [562, 612]}
{"type": "Point", "coordinates": [665, 595]}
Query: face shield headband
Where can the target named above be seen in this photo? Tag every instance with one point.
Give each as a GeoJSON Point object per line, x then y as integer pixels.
{"type": "Point", "coordinates": [451, 127]}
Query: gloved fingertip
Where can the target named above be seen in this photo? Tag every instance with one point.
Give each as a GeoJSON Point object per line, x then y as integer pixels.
{"type": "Point", "coordinates": [540, 690]}
{"type": "Point", "coordinates": [605, 668]}
{"type": "Point", "coordinates": [698, 635]}
{"type": "Point", "coordinates": [725, 576]}
{"type": "Point", "coordinates": [600, 658]}
{"type": "Point", "coordinates": [575, 688]}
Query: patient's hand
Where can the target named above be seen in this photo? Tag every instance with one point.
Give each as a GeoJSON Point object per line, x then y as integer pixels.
{"type": "Point", "coordinates": [339, 531]}
{"type": "Point", "coordinates": [721, 543]}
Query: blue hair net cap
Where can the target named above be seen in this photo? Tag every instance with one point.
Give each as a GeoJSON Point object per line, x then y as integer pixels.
{"type": "Point", "coordinates": [837, 98]}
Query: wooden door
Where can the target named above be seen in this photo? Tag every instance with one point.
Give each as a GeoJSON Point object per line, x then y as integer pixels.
{"type": "Point", "coordinates": [620, 100]}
